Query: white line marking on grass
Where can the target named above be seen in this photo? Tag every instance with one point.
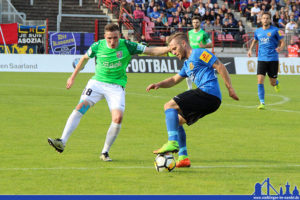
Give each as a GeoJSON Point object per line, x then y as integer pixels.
{"type": "Point", "coordinates": [147, 167]}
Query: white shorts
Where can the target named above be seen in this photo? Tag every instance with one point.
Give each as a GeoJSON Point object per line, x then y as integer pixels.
{"type": "Point", "coordinates": [113, 93]}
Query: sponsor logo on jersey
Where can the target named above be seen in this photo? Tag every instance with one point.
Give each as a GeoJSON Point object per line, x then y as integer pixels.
{"type": "Point", "coordinates": [205, 56]}
{"type": "Point", "coordinates": [119, 54]}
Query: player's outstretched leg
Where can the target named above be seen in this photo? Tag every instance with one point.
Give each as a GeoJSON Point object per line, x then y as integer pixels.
{"type": "Point", "coordinates": [183, 160]}
{"type": "Point", "coordinates": [57, 144]}
{"type": "Point", "coordinates": [111, 136]}
{"type": "Point", "coordinates": [172, 127]}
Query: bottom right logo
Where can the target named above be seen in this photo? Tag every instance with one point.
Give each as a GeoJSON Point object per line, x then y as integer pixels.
{"type": "Point", "coordinates": [265, 190]}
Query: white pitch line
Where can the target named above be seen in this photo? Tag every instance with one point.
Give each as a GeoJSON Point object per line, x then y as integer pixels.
{"type": "Point", "coordinates": [147, 167]}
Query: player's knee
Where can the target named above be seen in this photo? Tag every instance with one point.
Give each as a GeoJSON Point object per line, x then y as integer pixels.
{"type": "Point", "coordinates": [169, 105]}
{"type": "Point", "coordinates": [117, 119]}
{"type": "Point", "coordinates": [83, 106]}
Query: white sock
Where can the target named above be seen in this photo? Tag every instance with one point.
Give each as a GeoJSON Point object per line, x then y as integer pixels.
{"type": "Point", "coordinates": [111, 136]}
{"type": "Point", "coordinates": [71, 125]}
{"type": "Point", "coordinates": [189, 83]}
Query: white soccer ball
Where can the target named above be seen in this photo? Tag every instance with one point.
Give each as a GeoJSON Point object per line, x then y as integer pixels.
{"type": "Point", "coordinates": [164, 162]}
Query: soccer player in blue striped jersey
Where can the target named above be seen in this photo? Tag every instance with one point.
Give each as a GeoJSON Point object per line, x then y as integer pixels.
{"type": "Point", "coordinates": [189, 106]}
{"type": "Point", "coordinates": [270, 43]}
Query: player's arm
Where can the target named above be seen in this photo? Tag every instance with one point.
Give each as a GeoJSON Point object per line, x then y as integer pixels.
{"type": "Point", "coordinates": [281, 45]}
{"type": "Point", "coordinates": [167, 83]}
{"type": "Point", "coordinates": [221, 69]}
{"type": "Point", "coordinates": [254, 41]}
{"type": "Point", "coordinates": [156, 51]}
{"type": "Point", "coordinates": [82, 62]}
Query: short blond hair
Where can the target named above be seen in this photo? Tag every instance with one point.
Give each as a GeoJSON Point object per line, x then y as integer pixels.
{"type": "Point", "coordinates": [178, 36]}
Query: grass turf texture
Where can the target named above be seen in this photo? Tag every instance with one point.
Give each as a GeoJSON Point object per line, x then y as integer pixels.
{"type": "Point", "coordinates": [230, 150]}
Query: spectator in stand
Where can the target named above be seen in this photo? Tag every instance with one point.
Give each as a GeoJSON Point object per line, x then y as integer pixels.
{"type": "Point", "coordinates": [163, 17]}
{"type": "Point", "coordinates": [233, 27]}
{"type": "Point", "coordinates": [233, 21]}
{"type": "Point", "coordinates": [223, 8]}
{"type": "Point", "coordinates": [155, 14]}
{"type": "Point", "coordinates": [258, 23]}
{"type": "Point", "coordinates": [292, 16]}
{"type": "Point", "coordinates": [273, 10]}
{"type": "Point", "coordinates": [189, 12]}
{"type": "Point", "coordinates": [126, 6]}
{"type": "Point", "coordinates": [291, 27]}
{"type": "Point", "coordinates": [217, 26]}
{"type": "Point", "coordinates": [254, 11]}
{"type": "Point", "coordinates": [138, 13]}
{"type": "Point", "coordinates": [220, 12]}
{"type": "Point", "coordinates": [169, 4]}
{"type": "Point", "coordinates": [293, 49]}
{"type": "Point", "coordinates": [140, 2]}
{"type": "Point", "coordinates": [150, 8]}
{"type": "Point", "coordinates": [172, 11]}
{"type": "Point", "coordinates": [180, 12]}
{"type": "Point", "coordinates": [208, 27]}
{"type": "Point", "coordinates": [210, 5]}
{"type": "Point", "coordinates": [298, 25]}
{"type": "Point", "coordinates": [296, 11]}
{"type": "Point", "coordinates": [207, 8]}
{"type": "Point", "coordinates": [213, 15]}
{"type": "Point", "coordinates": [201, 9]}
{"type": "Point", "coordinates": [226, 18]}
{"type": "Point", "coordinates": [229, 12]}
{"type": "Point", "coordinates": [216, 8]}
{"type": "Point", "coordinates": [226, 28]}
{"type": "Point", "coordinates": [276, 18]}
{"type": "Point", "coordinates": [187, 19]}
{"type": "Point", "coordinates": [174, 25]}
{"type": "Point", "coordinates": [243, 6]}
{"type": "Point", "coordinates": [207, 16]}
{"type": "Point", "coordinates": [282, 21]}
{"type": "Point", "coordinates": [240, 32]}
{"type": "Point", "coordinates": [196, 13]}
{"type": "Point", "coordinates": [186, 4]}
{"type": "Point", "coordinates": [160, 28]}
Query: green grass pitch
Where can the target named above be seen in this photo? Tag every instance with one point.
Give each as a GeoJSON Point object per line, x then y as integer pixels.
{"type": "Point", "coordinates": [230, 150]}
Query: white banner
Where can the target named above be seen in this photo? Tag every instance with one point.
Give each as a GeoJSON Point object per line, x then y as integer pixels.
{"type": "Point", "coordinates": [287, 66]}
{"type": "Point", "coordinates": [42, 63]}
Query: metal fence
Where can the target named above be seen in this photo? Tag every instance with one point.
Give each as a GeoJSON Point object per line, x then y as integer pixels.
{"type": "Point", "coordinates": [8, 13]}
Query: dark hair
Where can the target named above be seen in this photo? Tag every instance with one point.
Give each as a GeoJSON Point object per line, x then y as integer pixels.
{"type": "Point", "coordinates": [111, 28]}
{"type": "Point", "coordinates": [197, 18]}
{"type": "Point", "coordinates": [178, 36]}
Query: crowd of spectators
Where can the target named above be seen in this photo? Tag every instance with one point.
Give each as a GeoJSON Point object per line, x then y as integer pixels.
{"type": "Point", "coordinates": [175, 15]}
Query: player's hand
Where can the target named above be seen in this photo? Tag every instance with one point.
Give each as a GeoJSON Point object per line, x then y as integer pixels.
{"type": "Point", "coordinates": [249, 53]}
{"type": "Point", "coordinates": [278, 49]}
{"type": "Point", "coordinates": [70, 82]}
{"type": "Point", "coordinates": [152, 86]}
{"type": "Point", "coordinates": [232, 94]}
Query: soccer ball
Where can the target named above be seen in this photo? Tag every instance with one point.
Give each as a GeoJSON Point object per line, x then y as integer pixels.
{"type": "Point", "coordinates": [164, 162]}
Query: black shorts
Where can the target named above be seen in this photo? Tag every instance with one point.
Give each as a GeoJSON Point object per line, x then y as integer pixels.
{"type": "Point", "coordinates": [270, 67]}
{"type": "Point", "coordinates": [195, 104]}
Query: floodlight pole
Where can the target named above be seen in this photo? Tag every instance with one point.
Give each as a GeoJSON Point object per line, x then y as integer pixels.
{"type": "Point", "coordinates": [59, 16]}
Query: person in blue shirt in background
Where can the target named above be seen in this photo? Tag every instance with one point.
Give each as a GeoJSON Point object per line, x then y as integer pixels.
{"type": "Point", "coordinates": [270, 43]}
{"type": "Point", "coordinates": [189, 106]}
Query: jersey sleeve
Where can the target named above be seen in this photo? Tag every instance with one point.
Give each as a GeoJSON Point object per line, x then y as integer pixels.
{"type": "Point", "coordinates": [182, 72]}
{"type": "Point", "coordinates": [92, 50]}
{"type": "Point", "coordinates": [255, 35]}
{"type": "Point", "coordinates": [279, 34]}
{"type": "Point", "coordinates": [207, 38]}
{"type": "Point", "coordinates": [134, 48]}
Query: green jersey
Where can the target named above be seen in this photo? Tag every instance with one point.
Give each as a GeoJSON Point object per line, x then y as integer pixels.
{"type": "Point", "coordinates": [195, 38]}
{"type": "Point", "coordinates": [111, 63]}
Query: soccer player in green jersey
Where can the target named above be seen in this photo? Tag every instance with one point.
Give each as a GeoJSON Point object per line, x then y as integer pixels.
{"type": "Point", "coordinates": [113, 56]}
{"type": "Point", "coordinates": [198, 38]}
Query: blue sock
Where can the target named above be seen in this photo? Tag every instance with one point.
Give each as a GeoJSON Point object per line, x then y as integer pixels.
{"type": "Point", "coordinates": [172, 124]}
{"type": "Point", "coordinates": [182, 142]}
{"type": "Point", "coordinates": [261, 93]}
{"type": "Point", "coordinates": [277, 82]}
